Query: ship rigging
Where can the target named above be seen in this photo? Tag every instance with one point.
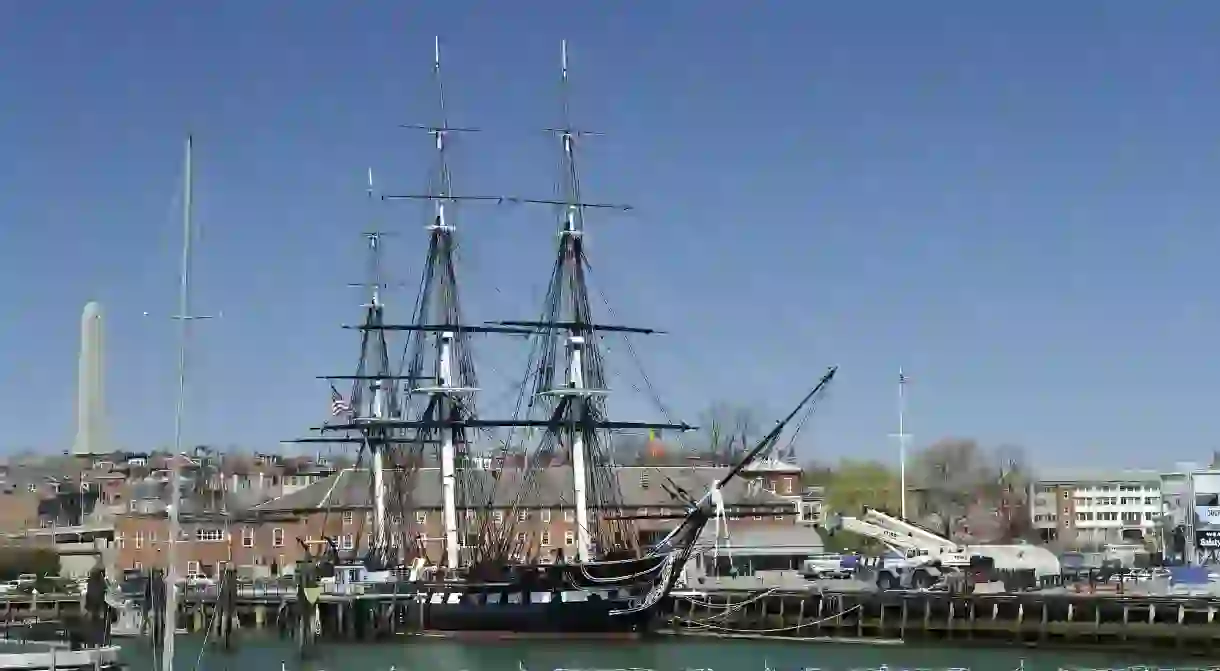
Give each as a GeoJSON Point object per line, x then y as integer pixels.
{"type": "Point", "coordinates": [427, 409]}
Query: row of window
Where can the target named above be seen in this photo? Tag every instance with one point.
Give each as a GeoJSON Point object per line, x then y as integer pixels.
{"type": "Point", "coordinates": [1130, 518]}
{"type": "Point", "coordinates": [1105, 489]}
{"type": "Point", "coordinates": [1116, 500]}
{"type": "Point", "coordinates": [348, 541]}
{"type": "Point", "coordinates": [1105, 516]}
{"type": "Point", "coordinates": [201, 536]}
{"type": "Point", "coordinates": [497, 516]}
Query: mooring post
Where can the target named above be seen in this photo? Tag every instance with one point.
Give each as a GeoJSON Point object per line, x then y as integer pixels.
{"type": "Point", "coordinates": [227, 603]}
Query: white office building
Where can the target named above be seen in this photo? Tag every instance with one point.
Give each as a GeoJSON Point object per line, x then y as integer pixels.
{"type": "Point", "coordinates": [1086, 510]}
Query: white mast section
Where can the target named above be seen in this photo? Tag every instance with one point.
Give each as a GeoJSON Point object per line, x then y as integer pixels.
{"type": "Point", "coordinates": [444, 368]}
{"type": "Point", "coordinates": [378, 409]}
{"type": "Point", "coordinates": [448, 454]}
{"type": "Point", "coordinates": [576, 343]}
{"type": "Point", "coordinates": [576, 380]}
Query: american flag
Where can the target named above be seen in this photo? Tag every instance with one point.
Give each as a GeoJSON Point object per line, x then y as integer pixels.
{"type": "Point", "coordinates": [338, 406]}
{"type": "Point", "coordinates": [902, 379]}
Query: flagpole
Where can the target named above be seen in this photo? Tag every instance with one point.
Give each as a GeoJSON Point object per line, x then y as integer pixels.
{"type": "Point", "coordinates": [902, 442]}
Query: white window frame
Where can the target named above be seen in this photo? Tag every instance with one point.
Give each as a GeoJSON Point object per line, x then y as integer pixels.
{"type": "Point", "coordinates": [545, 514]}
{"type": "Point", "coordinates": [277, 537]}
{"type": "Point", "coordinates": [209, 535]}
{"type": "Point", "coordinates": [247, 537]}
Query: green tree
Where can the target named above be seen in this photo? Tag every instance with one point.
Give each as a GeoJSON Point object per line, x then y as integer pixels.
{"type": "Point", "coordinates": [855, 484]}
{"type": "Point", "coordinates": [850, 486]}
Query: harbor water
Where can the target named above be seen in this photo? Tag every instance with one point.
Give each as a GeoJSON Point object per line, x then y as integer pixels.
{"type": "Point", "coordinates": [662, 654]}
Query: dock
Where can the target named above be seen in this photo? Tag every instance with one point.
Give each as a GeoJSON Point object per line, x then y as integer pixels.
{"type": "Point", "coordinates": [1063, 620]}
{"type": "Point", "coordinates": [1187, 625]}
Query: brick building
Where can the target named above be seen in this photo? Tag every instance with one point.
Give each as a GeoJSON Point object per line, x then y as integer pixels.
{"type": "Point", "coordinates": [270, 535]}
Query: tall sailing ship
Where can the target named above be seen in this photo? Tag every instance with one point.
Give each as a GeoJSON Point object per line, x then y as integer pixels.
{"type": "Point", "coordinates": [406, 412]}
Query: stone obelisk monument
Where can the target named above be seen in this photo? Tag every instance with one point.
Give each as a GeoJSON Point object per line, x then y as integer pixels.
{"type": "Point", "coordinates": [90, 429]}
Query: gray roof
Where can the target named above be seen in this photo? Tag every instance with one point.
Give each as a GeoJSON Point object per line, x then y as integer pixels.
{"type": "Point", "coordinates": [766, 540]}
{"type": "Point", "coordinates": [640, 486]}
{"type": "Point", "coordinates": [1098, 476]}
{"type": "Point", "coordinates": [18, 476]}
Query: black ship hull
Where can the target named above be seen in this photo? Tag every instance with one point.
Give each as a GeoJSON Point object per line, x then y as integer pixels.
{"type": "Point", "coordinates": [599, 597]}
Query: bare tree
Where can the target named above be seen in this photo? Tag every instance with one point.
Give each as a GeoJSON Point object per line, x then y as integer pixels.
{"type": "Point", "coordinates": [948, 475]}
{"type": "Point", "coordinates": [971, 492]}
{"type": "Point", "coordinates": [728, 431]}
{"type": "Point", "coordinates": [716, 424]}
{"type": "Point", "coordinates": [744, 425]}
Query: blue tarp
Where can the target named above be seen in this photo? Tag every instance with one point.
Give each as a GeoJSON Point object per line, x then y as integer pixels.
{"type": "Point", "coordinates": [1189, 575]}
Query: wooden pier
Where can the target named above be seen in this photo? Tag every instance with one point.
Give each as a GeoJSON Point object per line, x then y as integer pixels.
{"type": "Point", "coordinates": [1182, 624]}
{"type": "Point", "coordinates": [1185, 625]}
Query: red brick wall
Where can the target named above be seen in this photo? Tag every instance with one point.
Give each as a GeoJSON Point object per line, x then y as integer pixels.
{"type": "Point", "coordinates": [275, 542]}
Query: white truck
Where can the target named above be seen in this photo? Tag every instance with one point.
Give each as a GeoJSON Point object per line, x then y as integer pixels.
{"type": "Point", "coordinates": [929, 557]}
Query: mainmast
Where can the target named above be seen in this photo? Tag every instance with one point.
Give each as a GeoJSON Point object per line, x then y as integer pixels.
{"type": "Point", "coordinates": [438, 348]}
{"type": "Point", "coordinates": [570, 250]}
{"type": "Point", "coordinates": [575, 382]}
{"type": "Point", "coordinates": [444, 394]}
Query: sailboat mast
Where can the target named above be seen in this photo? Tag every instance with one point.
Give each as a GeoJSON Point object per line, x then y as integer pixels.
{"type": "Point", "coordinates": [175, 476]}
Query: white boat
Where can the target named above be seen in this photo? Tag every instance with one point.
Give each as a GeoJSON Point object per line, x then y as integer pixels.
{"type": "Point", "coordinates": [104, 659]}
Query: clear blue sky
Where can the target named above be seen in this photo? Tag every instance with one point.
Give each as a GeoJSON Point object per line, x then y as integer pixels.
{"type": "Point", "coordinates": [1017, 205]}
